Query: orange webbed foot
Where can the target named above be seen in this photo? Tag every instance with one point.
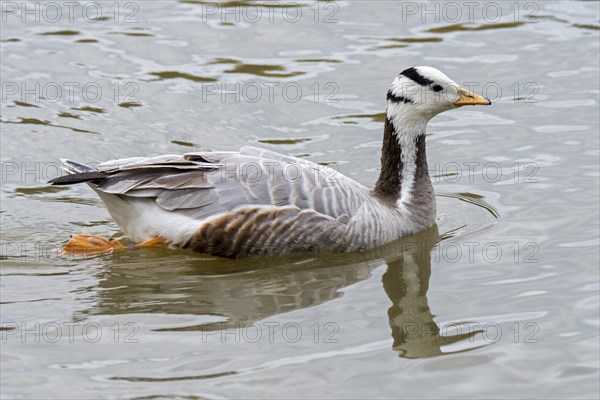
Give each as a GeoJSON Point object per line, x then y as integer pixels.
{"type": "Point", "coordinates": [154, 242]}
{"type": "Point", "coordinates": [90, 245]}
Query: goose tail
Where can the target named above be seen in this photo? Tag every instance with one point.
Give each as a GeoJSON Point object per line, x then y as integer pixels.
{"type": "Point", "coordinates": [76, 173]}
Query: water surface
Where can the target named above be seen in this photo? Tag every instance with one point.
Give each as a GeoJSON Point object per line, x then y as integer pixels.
{"type": "Point", "coordinates": [499, 300]}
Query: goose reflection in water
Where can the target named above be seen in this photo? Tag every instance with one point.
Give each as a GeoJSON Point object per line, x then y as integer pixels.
{"type": "Point", "coordinates": [406, 281]}
{"type": "Point", "coordinates": [247, 292]}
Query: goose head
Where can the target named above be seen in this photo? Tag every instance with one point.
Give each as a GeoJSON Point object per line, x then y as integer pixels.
{"type": "Point", "coordinates": [420, 93]}
{"type": "Point", "coordinates": [416, 95]}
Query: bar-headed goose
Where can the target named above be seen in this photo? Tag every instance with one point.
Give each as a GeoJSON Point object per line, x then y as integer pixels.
{"type": "Point", "coordinates": [257, 202]}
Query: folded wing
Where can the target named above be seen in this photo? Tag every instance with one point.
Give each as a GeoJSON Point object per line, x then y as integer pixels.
{"type": "Point", "coordinates": [207, 183]}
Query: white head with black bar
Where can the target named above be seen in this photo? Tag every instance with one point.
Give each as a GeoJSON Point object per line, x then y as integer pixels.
{"type": "Point", "coordinates": [416, 96]}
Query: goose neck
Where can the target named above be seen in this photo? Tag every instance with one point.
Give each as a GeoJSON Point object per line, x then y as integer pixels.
{"type": "Point", "coordinates": [404, 173]}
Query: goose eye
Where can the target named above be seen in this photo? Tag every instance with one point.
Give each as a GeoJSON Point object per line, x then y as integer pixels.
{"type": "Point", "coordinates": [437, 88]}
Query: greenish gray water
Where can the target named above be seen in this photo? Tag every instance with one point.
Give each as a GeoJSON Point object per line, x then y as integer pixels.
{"type": "Point", "coordinates": [499, 300]}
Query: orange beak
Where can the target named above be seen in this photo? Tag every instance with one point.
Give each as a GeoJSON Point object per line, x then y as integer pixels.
{"type": "Point", "coordinates": [470, 99]}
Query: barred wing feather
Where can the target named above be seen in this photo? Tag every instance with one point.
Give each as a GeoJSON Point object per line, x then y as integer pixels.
{"type": "Point", "coordinates": [202, 184]}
